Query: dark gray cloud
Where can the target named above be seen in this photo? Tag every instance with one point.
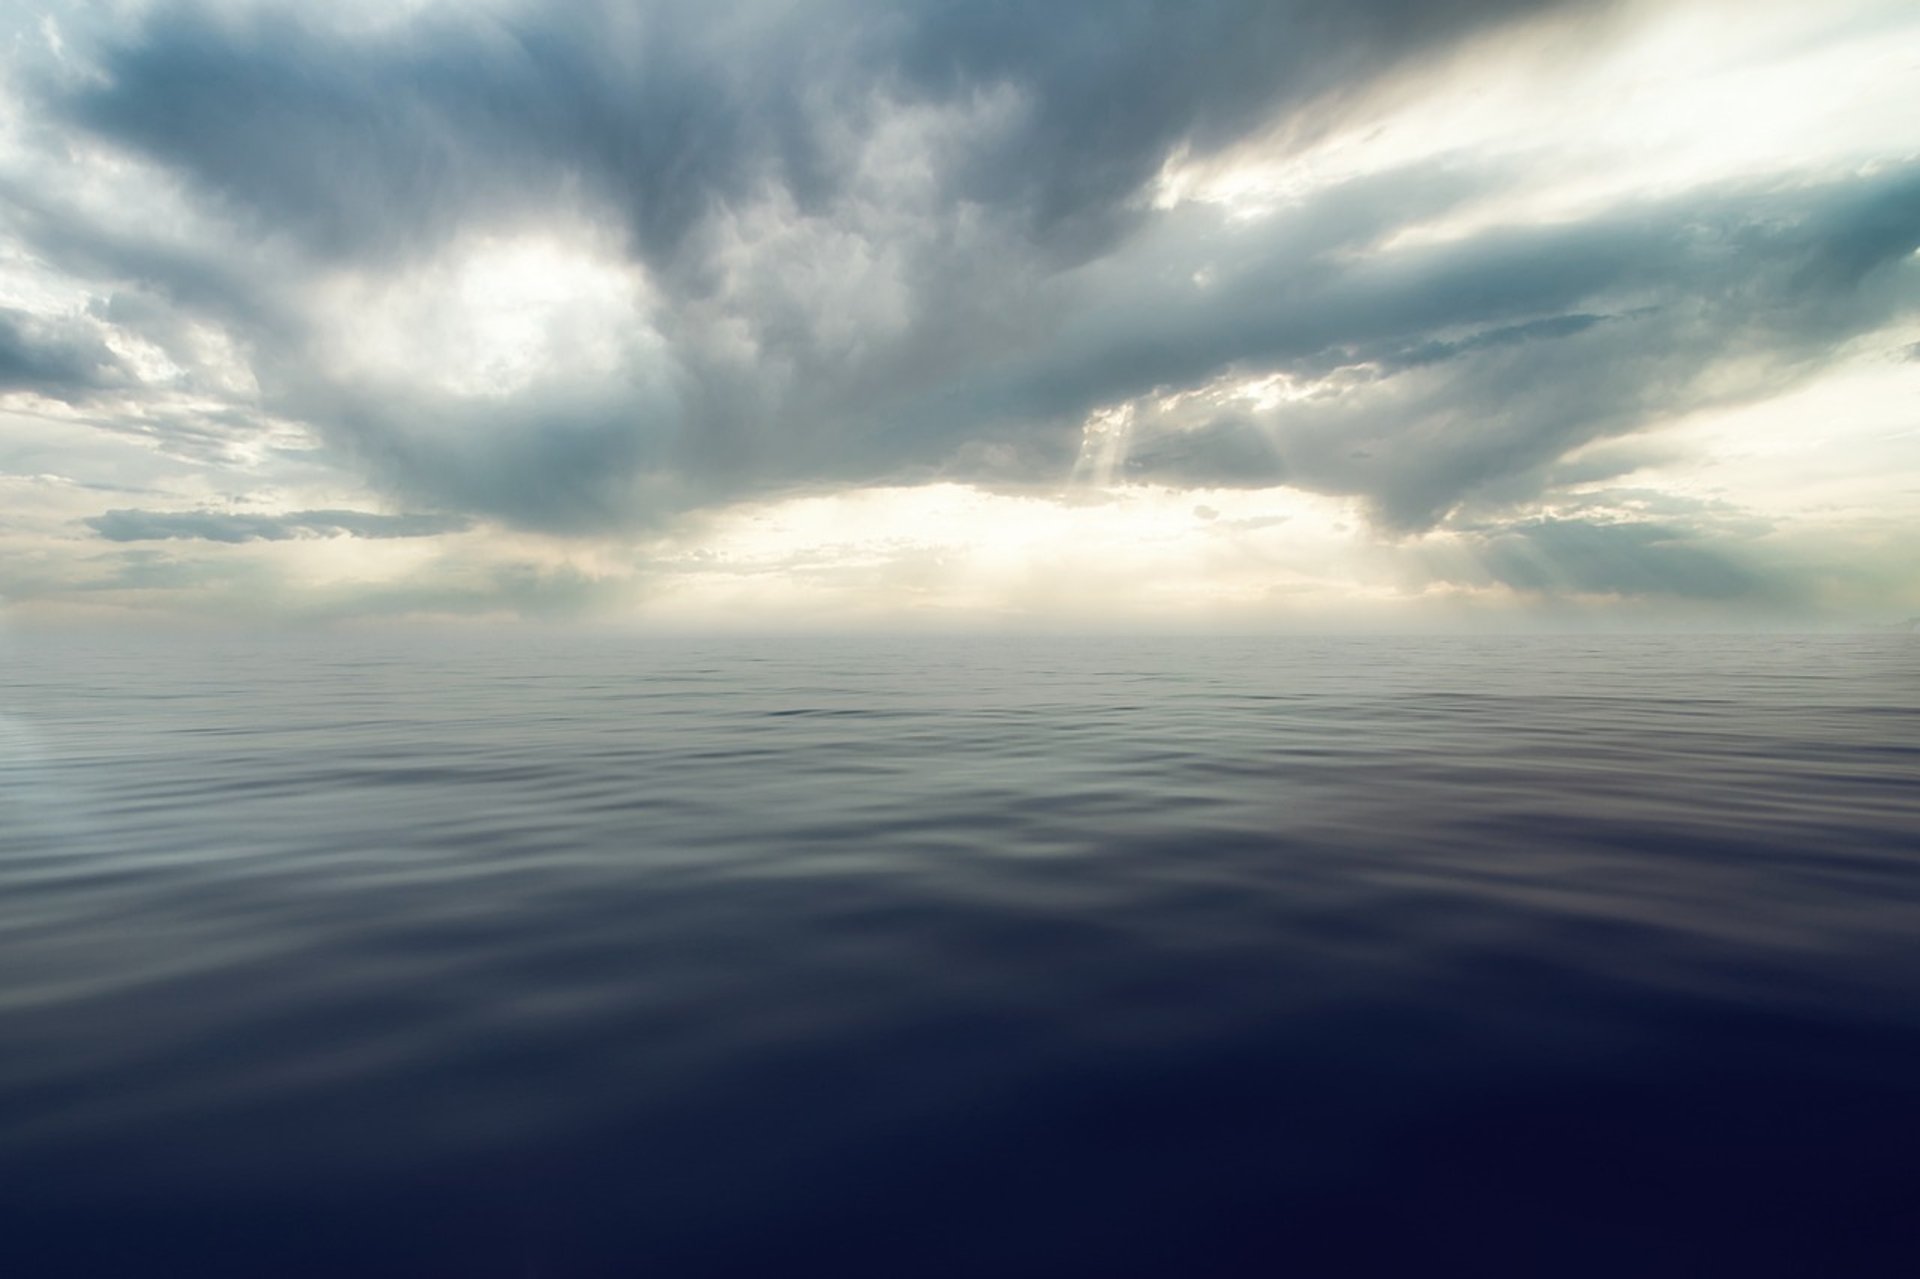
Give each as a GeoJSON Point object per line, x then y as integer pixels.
{"type": "Point", "coordinates": [58, 359]}
{"type": "Point", "coordinates": [1230, 452]}
{"type": "Point", "coordinates": [1588, 557]}
{"type": "Point", "coordinates": [1476, 362]}
{"type": "Point", "coordinates": [129, 525]}
{"type": "Point", "coordinates": [376, 145]}
{"type": "Point", "coordinates": [912, 243]}
{"type": "Point", "coordinates": [1113, 88]}
{"type": "Point", "coordinates": [374, 149]}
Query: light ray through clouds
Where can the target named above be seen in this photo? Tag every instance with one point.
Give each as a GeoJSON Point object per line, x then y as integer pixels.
{"type": "Point", "coordinates": [1308, 313]}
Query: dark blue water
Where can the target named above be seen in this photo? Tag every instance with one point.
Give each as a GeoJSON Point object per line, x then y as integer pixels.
{"type": "Point", "coordinates": [516, 955]}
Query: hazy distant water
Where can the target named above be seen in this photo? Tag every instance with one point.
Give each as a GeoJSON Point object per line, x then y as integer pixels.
{"type": "Point", "coordinates": [514, 956]}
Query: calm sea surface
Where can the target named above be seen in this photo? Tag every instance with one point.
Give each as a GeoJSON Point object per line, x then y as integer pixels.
{"type": "Point", "coordinates": [524, 956]}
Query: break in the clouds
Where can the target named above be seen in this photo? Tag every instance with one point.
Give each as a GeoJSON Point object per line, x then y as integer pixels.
{"type": "Point", "coordinates": [723, 312]}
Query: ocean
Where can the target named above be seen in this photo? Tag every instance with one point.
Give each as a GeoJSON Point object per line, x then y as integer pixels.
{"type": "Point", "coordinates": [516, 953]}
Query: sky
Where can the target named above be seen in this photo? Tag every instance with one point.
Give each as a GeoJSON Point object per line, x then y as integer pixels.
{"type": "Point", "coordinates": [1326, 314]}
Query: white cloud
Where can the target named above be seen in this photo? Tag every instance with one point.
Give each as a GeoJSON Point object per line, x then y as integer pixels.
{"type": "Point", "coordinates": [493, 316]}
{"type": "Point", "coordinates": [639, 310]}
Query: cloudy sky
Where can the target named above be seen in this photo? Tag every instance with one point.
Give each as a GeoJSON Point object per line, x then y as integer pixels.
{"type": "Point", "coordinates": [1281, 312]}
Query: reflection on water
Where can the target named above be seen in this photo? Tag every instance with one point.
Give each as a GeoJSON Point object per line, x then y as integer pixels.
{"type": "Point", "coordinates": [516, 956]}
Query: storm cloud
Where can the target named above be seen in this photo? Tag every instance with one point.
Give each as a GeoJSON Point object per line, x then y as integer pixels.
{"type": "Point", "coordinates": [590, 270]}
{"type": "Point", "coordinates": [1587, 557]}
{"type": "Point", "coordinates": [53, 358]}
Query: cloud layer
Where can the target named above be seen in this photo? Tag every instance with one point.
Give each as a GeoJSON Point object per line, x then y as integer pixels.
{"type": "Point", "coordinates": [591, 272]}
{"type": "Point", "coordinates": [220, 526]}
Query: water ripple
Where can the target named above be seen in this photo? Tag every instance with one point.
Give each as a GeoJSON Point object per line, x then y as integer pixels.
{"type": "Point", "coordinates": [594, 956]}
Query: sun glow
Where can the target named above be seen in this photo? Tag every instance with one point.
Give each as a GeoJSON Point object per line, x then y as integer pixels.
{"type": "Point", "coordinates": [496, 316]}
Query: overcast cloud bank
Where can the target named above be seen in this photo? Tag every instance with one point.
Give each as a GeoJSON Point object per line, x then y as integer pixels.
{"type": "Point", "coordinates": [572, 288]}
